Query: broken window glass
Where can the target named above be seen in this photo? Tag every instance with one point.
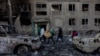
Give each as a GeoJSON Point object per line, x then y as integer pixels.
{"type": "Point", "coordinates": [56, 7]}
{"type": "Point", "coordinates": [97, 7]}
{"type": "Point", "coordinates": [85, 7]}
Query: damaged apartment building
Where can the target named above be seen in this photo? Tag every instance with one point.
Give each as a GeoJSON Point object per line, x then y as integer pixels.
{"type": "Point", "coordinates": [20, 15]}
{"type": "Point", "coordinates": [80, 15]}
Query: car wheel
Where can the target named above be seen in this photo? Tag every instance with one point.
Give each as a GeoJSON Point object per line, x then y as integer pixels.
{"type": "Point", "coordinates": [24, 51]}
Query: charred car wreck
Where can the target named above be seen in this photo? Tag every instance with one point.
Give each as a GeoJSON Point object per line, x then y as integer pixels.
{"type": "Point", "coordinates": [87, 43]}
{"type": "Point", "coordinates": [17, 44]}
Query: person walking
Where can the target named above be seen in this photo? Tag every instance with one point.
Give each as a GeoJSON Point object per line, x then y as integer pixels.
{"type": "Point", "coordinates": [60, 34]}
{"type": "Point", "coordinates": [48, 36]}
{"type": "Point", "coordinates": [74, 33]}
{"type": "Point", "coordinates": [42, 34]}
{"type": "Point", "coordinates": [52, 35]}
{"type": "Point", "coordinates": [52, 32]}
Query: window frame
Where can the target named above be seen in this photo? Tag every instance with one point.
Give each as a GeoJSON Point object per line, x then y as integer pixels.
{"type": "Point", "coordinates": [71, 7]}
{"type": "Point", "coordinates": [85, 21]}
{"type": "Point", "coordinates": [59, 7]}
{"type": "Point", "coordinates": [41, 5]}
{"type": "Point", "coordinates": [96, 7]}
{"type": "Point", "coordinates": [72, 21]}
{"type": "Point", "coordinates": [97, 22]}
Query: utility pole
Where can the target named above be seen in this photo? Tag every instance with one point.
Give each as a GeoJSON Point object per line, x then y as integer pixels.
{"type": "Point", "coordinates": [10, 17]}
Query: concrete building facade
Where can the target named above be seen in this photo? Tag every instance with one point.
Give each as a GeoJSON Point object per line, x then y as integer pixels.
{"type": "Point", "coordinates": [80, 15]}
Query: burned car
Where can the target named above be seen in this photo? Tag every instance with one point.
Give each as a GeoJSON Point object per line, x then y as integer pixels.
{"type": "Point", "coordinates": [17, 44]}
{"type": "Point", "coordinates": [87, 43]}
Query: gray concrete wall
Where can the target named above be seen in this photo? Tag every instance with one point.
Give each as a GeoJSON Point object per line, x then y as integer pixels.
{"type": "Point", "coordinates": [61, 18]}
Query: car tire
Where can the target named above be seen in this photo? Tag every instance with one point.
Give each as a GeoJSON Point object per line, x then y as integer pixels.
{"type": "Point", "coordinates": [24, 51]}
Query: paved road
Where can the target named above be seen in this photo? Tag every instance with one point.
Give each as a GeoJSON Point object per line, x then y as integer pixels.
{"type": "Point", "coordinates": [60, 49]}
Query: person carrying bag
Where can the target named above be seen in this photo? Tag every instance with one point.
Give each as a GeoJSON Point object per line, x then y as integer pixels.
{"type": "Point", "coordinates": [48, 36]}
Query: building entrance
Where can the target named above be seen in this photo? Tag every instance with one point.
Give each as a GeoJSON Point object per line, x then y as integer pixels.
{"type": "Point", "coordinates": [39, 28]}
{"type": "Point", "coordinates": [41, 25]}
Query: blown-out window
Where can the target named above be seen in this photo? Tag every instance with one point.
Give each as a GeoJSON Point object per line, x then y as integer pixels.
{"type": "Point", "coordinates": [85, 7]}
{"type": "Point", "coordinates": [97, 7]}
{"type": "Point", "coordinates": [56, 7]}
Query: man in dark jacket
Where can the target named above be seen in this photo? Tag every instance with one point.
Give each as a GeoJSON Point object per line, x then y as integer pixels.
{"type": "Point", "coordinates": [60, 34]}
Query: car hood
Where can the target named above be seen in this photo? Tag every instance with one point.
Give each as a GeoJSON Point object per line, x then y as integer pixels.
{"type": "Point", "coordinates": [27, 37]}
{"type": "Point", "coordinates": [84, 38]}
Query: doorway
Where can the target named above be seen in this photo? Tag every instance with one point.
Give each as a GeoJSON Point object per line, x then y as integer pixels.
{"type": "Point", "coordinates": [41, 26]}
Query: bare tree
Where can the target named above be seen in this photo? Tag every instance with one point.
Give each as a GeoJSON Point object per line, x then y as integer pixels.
{"type": "Point", "coordinates": [10, 16]}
